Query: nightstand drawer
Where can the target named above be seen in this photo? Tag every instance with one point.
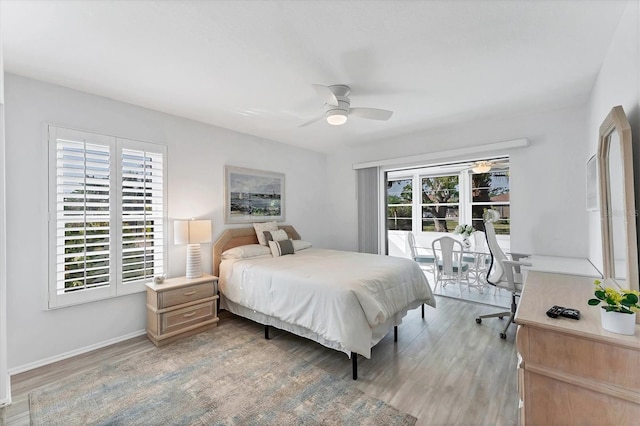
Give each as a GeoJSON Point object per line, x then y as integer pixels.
{"type": "Point", "coordinates": [185, 295]}
{"type": "Point", "coordinates": [180, 318]}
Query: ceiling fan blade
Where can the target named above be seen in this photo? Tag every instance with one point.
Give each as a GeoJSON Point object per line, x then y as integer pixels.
{"type": "Point", "coordinates": [326, 94]}
{"type": "Point", "coordinates": [371, 113]}
{"type": "Point", "coordinates": [313, 120]}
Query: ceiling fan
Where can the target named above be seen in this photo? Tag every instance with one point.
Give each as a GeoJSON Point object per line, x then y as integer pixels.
{"type": "Point", "coordinates": [484, 166]}
{"type": "Point", "coordinates": [337, 106]}
{"type": "Point", "coordinates": [480, 166]}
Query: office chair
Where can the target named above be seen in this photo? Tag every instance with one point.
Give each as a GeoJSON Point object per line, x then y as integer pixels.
{"type": "Point", "coordinates": [503, 273]}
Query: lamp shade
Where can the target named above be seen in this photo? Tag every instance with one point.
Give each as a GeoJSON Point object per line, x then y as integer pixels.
{"type": "Point", "coordinates": [191, 231]}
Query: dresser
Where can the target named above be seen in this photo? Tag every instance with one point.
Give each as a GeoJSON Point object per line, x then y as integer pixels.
{"type": "Point", "coordinates": [180, 307]}
{"type": "Point", "coordinates": [573, 372]}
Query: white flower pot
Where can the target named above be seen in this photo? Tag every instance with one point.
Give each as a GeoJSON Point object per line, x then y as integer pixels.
{"type": "Point", "coordinates": [466, 243]}
{"type": "Point", "coordinates": [617, 322]}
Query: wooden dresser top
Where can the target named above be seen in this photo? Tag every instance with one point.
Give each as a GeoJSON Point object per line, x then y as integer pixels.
{"type": "Point", "coordinates": [542, 290]}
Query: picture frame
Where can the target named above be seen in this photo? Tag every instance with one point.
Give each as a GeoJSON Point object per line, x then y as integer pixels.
{"type": "Point", "coordinates": [592, 184]}
{"type": "Point", "coordinates": [253, 195]}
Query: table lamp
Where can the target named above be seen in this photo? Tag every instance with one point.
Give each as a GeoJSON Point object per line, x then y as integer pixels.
{"type": "Point", "coordinates": [193, 233]}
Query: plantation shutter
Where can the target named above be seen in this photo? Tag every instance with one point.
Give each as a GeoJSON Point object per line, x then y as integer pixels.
{"type": "Point", "coordinates": [142, 211]}
{"type": "Point", "coordinates": [107, 215]}
{"type": "Point", "coordinates": [83, 206]}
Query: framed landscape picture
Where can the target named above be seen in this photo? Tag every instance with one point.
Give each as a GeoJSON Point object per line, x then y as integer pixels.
{"type": "Point", "coordinates": [253, 195]}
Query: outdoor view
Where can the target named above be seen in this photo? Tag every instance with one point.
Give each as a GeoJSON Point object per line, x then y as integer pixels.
{"type": "Point", "coordinates": [399, 209]}
{"type": "Point", "coordinates": [491, 191]}
{"type": "Point", "coordinates": [440, 203]}
{"type": "Point", "coordinates": [84, 216]}
{"type": "Point", "coordinates": [441, 199]}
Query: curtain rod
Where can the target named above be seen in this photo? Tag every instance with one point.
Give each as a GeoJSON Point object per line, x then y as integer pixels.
{"type": "Point", "coordinates": [420, 158]}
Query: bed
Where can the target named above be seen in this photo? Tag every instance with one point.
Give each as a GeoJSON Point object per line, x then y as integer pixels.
{"type": "Point", "coordinates": [343, 300]}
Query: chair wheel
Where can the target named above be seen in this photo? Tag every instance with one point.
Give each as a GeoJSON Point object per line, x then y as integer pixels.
{"type": "Point", "coordinates": [500, 317]}
{"type": "Point", "coordinates": [503, 335]}
{"type": "Point", "coordinates": [478, 320]}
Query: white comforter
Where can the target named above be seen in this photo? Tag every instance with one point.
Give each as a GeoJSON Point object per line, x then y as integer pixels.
{"type": "Point", "coordinates": [341, 296]}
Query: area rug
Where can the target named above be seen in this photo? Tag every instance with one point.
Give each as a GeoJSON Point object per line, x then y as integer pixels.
{"type": "Point", "coordinates": [225, 376]}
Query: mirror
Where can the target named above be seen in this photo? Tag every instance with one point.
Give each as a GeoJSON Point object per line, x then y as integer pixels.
{"type": "Point", "coordinates": [617, 200]}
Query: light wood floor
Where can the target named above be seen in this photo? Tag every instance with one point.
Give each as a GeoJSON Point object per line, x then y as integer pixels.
{"type": "Point", "coordinates": [444, 369]}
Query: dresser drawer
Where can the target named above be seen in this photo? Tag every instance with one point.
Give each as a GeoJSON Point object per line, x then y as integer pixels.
{"type": "Point", "coordinates": [185, 294]}
{"type": "Point", "coordinates": [584, 358]}
{"type": "Point", "coordinates": [181, 318]}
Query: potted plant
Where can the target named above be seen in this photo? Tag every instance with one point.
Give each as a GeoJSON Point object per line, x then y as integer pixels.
{"type": "Point", "coordinates": [465, 231]}
{"type": "Point", "coordinates": [619, 313]}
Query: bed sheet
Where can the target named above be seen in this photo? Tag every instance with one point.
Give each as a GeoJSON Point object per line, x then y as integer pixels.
{"type": "Point", "coordinates": [344, 297]}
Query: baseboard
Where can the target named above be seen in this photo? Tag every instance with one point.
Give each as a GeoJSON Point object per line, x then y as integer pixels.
{"type": "Point", "coordinates": [80, 351]}
{"type": "Point", "coordinates": [7, 400]}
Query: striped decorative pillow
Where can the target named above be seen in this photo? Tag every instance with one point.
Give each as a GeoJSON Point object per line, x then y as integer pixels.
{"type": "Point", "coordinates": [278, 235]}
{"type": "Point", "coordinates": [281, 248]}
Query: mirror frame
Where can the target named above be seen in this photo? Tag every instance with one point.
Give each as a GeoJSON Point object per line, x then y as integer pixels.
{"type": "Point", "coordinates": [617, 122]}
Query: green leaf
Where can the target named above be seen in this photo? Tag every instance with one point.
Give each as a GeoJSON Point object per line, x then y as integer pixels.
{"type": "Point", "coordinates": [600, 294]}
{"type": "Point", "coordinates": [632, 298]}
{"type": "Point", "coordinates": [593, 302]}
{"type": "Point", "coordinates": [625, 310]}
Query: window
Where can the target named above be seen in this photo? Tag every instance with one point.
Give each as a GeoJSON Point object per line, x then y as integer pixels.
{"type": "Point", "coordinates": [399, 205]}
{"type": "Point", "coordinates": [440, 203]}
{"type": "Point", "coordinates": [437, 199]}
{"type": "Point", "coordinates": [491, 191]}
{"type": "Point", "coordinates": [107, 215]}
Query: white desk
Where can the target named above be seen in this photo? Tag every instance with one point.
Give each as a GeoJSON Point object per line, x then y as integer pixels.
{"type": "Point", "coordinates": [561, 265]}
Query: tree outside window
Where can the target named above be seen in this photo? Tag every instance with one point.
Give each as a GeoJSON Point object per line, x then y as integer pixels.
{"type": "Point", "coordinates": [440, 203]}
{"type": "Point", "coordinates": [399, 205]}
{"type": "Point", "coordinates": [491, 191]}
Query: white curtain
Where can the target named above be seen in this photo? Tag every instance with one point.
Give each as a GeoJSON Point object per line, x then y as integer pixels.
{"type": "Point", "coordinates": [368, 210]}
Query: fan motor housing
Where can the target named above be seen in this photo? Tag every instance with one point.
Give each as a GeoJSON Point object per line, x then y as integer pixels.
{"type": "Point", "coordinates": [337, 115]}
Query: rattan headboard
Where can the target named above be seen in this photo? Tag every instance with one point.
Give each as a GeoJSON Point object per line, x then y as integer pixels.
{"type": "Point", "coordinates": [238, 237]}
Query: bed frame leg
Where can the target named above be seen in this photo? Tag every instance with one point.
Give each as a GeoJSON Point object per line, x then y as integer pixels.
{"type": "Point", "coordinates": [423, 310]}
{"type": "Point", "coordinates": [266, 332]}
{"type": "Point", "coordinates": [354, 365]}
{"type": "Point", "coordinates": [395, 333]}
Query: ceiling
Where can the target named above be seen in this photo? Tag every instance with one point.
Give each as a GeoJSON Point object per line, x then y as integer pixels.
{"type": "Point", "coordinates": [249, 65]}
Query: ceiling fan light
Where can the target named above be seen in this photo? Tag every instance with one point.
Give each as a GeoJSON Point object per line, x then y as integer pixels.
{"type": "Point", "coordinates": [481, 167]}
{"type": "Point", "coordinates": [336, 117]}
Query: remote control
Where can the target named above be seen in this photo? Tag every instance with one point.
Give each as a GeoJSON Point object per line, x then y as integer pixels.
{"type": "Point", "coordinates": [555, 311]}
{"type": "Point", "coordinates": [571, 313]}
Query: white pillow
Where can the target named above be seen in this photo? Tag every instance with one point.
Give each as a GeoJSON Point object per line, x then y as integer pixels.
{"type": "Point", "coordinates": [300, 245]}
{"type": "Point", "coordinates": [261, 227]}
{"type": "Point", "coordinates": [246, 251]}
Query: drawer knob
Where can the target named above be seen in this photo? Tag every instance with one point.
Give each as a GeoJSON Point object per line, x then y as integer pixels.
{"type": "Point", "coordinates": [190, 314]}
{"type": "Point", "coordinates": [190, 293]}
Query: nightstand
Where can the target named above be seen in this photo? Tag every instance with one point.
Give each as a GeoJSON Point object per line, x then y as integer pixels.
{"type": "Point", "coordinates": [180, 307]}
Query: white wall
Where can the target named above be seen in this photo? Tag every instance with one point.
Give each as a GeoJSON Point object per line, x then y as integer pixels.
{"type": "Point", "coordinates": [547, 177]}
{"type": "Point", "coordinates": [5, 393]}
{"type": "Point", "coordinates": [197, 154]}
{"type": "Point", "coordinates": [618, 83]}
